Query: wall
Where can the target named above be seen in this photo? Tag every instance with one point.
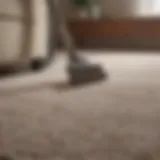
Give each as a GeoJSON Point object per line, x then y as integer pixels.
{"type": "Point", "coordinates": [119, 7]}
{"type": "Point", "coordinates": [110, 7]}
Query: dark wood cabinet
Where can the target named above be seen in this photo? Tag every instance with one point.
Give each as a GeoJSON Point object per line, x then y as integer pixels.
{"type": "Point", "coordinates": [140, 32]}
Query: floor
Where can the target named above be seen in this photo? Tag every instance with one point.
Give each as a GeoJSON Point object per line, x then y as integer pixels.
{"type": "Point", "coordinates": [118, 119]}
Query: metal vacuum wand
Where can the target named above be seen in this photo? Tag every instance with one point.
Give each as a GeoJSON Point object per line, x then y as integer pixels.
{"type": "Point", "coordinates": [79, 69]}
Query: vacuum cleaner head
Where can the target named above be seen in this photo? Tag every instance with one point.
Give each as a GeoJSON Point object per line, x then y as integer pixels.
{"type": "Point", "coordinates": [85, 74]}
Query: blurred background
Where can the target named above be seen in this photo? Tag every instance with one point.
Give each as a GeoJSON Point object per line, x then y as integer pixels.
{"type": "Point", "coordinates": [131, 24]}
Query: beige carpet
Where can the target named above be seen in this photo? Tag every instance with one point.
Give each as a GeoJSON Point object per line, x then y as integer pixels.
{"type": "Point", "coordinates": [114, 120]}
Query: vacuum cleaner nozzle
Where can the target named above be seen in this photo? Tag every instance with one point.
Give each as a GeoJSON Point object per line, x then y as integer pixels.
{"type": "Point", "coordinates": [85, 74]}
